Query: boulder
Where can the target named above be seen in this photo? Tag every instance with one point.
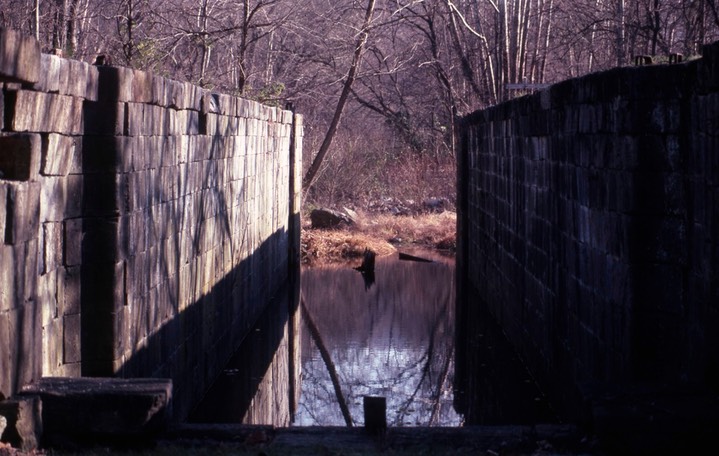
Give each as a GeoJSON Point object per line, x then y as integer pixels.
{"type": "Point", "coordinates": [351, 214]}
{"type": "Point", "coordinates": [328, 218]}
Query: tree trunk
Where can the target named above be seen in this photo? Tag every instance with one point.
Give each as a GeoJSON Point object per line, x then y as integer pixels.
{"type": "Point", "coordinates": [325, 354]}
{"type": "Point", "coordinates": [242, 65]}
{"type": "Point", "coordinates": [354, 67]}
{"type": "Point", "coordinates": [205, 54]}
{"type": "Point", "coordinates": [547, 41]}
{"type": "Point", "coordinates": [620, 34]}
{"type": "Point", "coordinates": [467, 69]}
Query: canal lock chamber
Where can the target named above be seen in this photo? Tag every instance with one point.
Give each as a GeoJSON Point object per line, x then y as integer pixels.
{"type": "Point", "coordinates": [313, 356]}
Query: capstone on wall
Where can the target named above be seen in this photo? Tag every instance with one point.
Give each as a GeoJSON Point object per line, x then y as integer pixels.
{"type": "Point", "coordinates": [145, 222]}
{"type": "Point", "coordinates": [589, 228]}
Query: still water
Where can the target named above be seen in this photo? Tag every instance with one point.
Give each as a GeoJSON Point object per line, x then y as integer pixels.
{"type": "Point", "coordinates": [310, 363]}
{"type": "Point", "coordinates": [392, 338]}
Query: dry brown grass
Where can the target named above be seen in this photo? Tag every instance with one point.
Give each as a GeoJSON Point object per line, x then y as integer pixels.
{"type": "Point", "coordinates": [380, 233]}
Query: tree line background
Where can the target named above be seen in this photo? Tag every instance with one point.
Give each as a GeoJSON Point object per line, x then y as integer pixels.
{"type": "Point", "coordinates": [378, 81]}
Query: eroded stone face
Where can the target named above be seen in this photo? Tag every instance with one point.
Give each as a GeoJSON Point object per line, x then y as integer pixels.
{"type": "Point", "coordinates": [142, 220]}
{"type": "Point", "coordinates": [19, 57]}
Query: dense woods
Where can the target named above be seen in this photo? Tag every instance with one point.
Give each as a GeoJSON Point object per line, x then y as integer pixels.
{"type": "Point", "coordinates": [379, 81]}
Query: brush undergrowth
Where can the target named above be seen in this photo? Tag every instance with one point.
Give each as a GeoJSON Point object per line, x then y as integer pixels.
{"type": "Point", "coordinates": [382, 233]}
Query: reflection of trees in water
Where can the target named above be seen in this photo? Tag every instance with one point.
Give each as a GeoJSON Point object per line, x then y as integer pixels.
{"type": "Point", "coordinates": [327, 360]}
{"type": "Point", "coordinates": [394, 340]}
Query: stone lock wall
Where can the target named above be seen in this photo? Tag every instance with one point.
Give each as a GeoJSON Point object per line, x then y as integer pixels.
{"type": "Point", "coordinates": [146, 222]}
{"type": "Point", "coordinates": [589, 228]}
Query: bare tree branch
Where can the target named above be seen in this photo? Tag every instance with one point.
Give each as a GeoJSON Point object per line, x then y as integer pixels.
{"type": "Point", "coordinates": [354, 67]}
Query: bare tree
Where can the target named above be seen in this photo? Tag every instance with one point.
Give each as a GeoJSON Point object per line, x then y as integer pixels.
{"type": "Point", "coordinates": [346, 89]}
{"type": "Point", "coordinates": [402, 69]}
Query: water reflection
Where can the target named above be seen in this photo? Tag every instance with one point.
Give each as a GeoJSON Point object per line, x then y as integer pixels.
{"type": "Point", "coordinates": [393, 339]}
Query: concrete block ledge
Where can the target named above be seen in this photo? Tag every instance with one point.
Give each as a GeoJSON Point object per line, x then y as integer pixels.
{"type": "Point", "coordinates": [91, 409]}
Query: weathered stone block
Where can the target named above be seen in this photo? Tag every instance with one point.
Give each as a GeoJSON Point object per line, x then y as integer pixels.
{"type": "Point", "coordinates": [47, 297]}
{"type": "Point", "coordinates": [142, 85]}
{"type": "Point", "coordinates": [103, 197]}
{"type": "Point", "coordinates": [104, 118]}
{"type": "Point", "coordinates": [115, 83]}
{"type": "Point", "coordinates": [69, 288]}
{"type": "Point", "coordinates": [158, 120]}
{"type": "Point", "coordinates": [8, 283]}
{"type": "Point", "coordinates": [176, 95]}
{"type": "Point", "coordinates": [83, 81]}
{"type": "Point", "coordinates": [7, 362]}
{"type": "Point", "coordinates": [43, 113]}
{"type": "Point", "coordinates": [100, 237]}
{"type": "Point", "coordinates": [20, 156]}
{"type": "Point", "coordinates": [19, 56]}
{"type": "Point", "coordinates": [54, 75]}
{"type": "Point", "coordinates": [60, 198]}
{"type": "Point", "coordinates": [71, 332]}
{"type": "Point", "coordinates": [168, 154]}
{"type": "Point", "coordinates": [104, 154]}
{"type": "Point", "coordinates": [72, 242]}
{"type": "Point", "coordinates": [120, 292]}
{"type": "Point", "coordinates": [3, 209]}
{"type": "Point", "coordinates": [24, 422]}
{"type": "Point", "coordinates": [51, 246]}
{"type": "Point", "coordinates": [161, 91]}
{"type": "Point", "coordinates": [137, 275]}
{"type": "Point", "coordinates": [228, 104]}
{"type": "Point", "coordinates": [57, 154]}
{"type": "Point", "coordinates": [210, 103]}
{"type": "Point", "coordinates": [135, 116]}
{"type": "Point", "coordinates": [52, 351]}
{"type": "Point", "coordinates": [178, 122]}
{"type": "Point", "coordinates": [25, 339]}
{"type": "Point", "coordinates": [23, 213]}
{"type": "Point", "coordinates": [102, 407]}
{"type": "Point", "coordinates": [195, 96]}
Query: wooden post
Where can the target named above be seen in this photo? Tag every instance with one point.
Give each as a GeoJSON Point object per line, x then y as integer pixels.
{"type": "Point", "coordinates": [375, 415]}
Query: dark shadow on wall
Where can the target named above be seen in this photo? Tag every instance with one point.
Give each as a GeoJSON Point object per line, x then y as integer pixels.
{"type": "Point", "coordinates": [99, 284]}
{"type": "Point", "coordinates": [20, 326]}
{"type": "Point", "coordinates": [261, 362]}
{"type": "Point", "coordinates": [172, 273]}
{"type": "Point", "coordinates": [659, 247]}
{"type": "Point", "coordinates": [492, 384]}
{"type": "Point", "coordinates": [100, 220]}
{"type": "Point", "coordinates": [20, 246]}
{"type": "Point", "coordinates": [194, 345]}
